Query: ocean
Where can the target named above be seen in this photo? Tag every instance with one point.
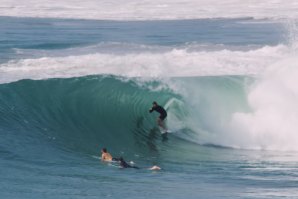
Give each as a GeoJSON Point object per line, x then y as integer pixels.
{"type": "Point", "coordinates": [80, 76]}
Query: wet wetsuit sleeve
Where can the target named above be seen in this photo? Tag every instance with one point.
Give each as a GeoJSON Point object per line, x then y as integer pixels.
{"type": "Point", "coordinates": [151, 110]}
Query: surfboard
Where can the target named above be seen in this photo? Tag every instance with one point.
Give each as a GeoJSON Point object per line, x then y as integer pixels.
{"type": "Point", "coordinates": [163, 131]}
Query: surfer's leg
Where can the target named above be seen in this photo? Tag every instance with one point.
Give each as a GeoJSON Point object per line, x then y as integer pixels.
{"type": "Point", "coordinates": [161, 123]}
{"type": "Point", "coordinates": [116, 159]}
{"type": "Point", "coordinates": [164, 137]}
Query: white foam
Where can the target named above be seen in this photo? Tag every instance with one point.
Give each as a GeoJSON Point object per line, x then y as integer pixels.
{"type": "Point", "coordinates": [273, 121]}
{"type": "Point", "coordinates": [164, 63]}
{"type": "Point", "coordinates": [269, 123]}
{"type": "Point", "coordinates": [150, 10]}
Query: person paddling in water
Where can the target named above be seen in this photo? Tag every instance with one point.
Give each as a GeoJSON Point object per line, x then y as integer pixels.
{"type": "Point", "coordinates": [107, 157]}
{"type": "Point", "coordinates": [162, 116]}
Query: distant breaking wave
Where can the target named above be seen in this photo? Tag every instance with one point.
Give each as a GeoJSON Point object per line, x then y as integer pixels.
{"type": "Point", "coordinates": [150, 10]}
{"type": "Point", "coordinates": [145, 61]}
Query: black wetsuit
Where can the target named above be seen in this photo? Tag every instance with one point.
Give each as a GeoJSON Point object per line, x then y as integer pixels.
{"type": "Point", "coordinates": [124, 164]}
{"type": "Point", "coordinates": [160, 110]}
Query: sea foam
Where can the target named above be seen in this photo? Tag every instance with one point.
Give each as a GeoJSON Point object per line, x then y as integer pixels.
{"type": "Point", "coordinates": [166, 63]}
{"type": "Point", "coordinates": [150, 10]}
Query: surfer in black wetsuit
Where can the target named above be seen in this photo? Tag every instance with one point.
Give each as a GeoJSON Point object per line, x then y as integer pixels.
{"type": "Point", "coordinates": [162, 116]}
{"type": "Point", "coordinates": [124, 164]}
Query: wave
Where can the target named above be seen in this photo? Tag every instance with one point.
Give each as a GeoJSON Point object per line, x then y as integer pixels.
{"type": "Point", "coordinates": [84, 113]}
{"type": "Point", "coordinates": [80, 113]}
{"type": "Point", "coordinates": [254, 109]}
{"type": "Point", "coordinates": [157, 10]}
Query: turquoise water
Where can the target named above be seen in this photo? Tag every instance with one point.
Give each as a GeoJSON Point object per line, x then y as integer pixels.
{"type": "Point", "coordinates": [53, 127]}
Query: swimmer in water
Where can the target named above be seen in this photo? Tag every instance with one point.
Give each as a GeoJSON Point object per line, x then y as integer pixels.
{"type": "Point", "coordinates": [107, 157]}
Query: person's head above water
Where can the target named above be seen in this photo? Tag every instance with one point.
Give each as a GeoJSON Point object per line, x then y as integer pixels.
{"type": "Point", "coordinates": [104, 150]}
{"type": "Point", "coordinates": [154, 103]}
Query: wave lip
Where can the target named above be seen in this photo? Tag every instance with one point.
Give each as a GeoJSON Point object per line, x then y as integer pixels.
{"type": "Point", "coordinates": [151, 10]}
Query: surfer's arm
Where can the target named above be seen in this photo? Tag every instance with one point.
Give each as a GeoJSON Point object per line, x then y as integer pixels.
{"type": "Point", "coordinates": [151, 110]}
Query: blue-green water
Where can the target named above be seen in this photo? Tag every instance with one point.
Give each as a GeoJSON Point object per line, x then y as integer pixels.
{"type": "Point", "coordinates": [55, 120]}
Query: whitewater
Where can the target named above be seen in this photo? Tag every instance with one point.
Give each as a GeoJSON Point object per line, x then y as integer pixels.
{"type": "Point", "coordinates": [150, 10]}
{"type": "Point", "coordinates": [76, 77]}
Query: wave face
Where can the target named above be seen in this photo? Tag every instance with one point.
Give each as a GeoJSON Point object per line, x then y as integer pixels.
{"type": "Point", "coordinates": [80, 113]}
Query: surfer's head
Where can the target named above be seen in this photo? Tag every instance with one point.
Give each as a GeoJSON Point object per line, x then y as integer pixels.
{"type": "Point", "coordinates": [154, 103]}
{"type": "Point", "coordinates": [104, 150]}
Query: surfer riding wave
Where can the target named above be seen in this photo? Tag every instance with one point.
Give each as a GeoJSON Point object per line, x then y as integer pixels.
{"type": "Point", "coordinates": [162, 116]}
